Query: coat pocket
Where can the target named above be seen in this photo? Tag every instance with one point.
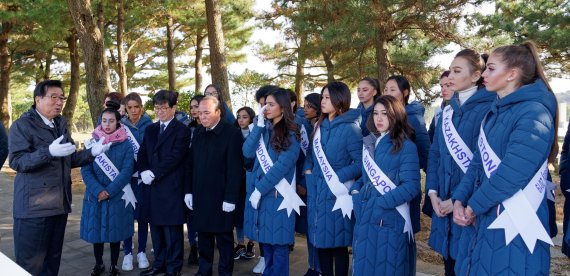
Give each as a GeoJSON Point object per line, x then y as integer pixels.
{"type": "Point", "coordinates": [45, 197]}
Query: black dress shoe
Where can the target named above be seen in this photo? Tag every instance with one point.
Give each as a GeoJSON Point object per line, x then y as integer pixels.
{"type": "Point", "coordinates": [98, 269]}
{"type": "Point", "coordinates": [172, 274]}
{"type": "Point", "coordinates": [193, 256]}
{"type": "Point", "coordinates": [152, 271]}
{"type": "Point", "coordinates": [114, 271]}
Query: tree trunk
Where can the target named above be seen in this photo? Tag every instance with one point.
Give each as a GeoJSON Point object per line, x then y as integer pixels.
{"type": "Point", "coordinates": [217, 49]}
{"type": "Point", "coordinates": [198, 62]}
{"type": "Point", "coordinates": [47, 68]}
{"type": "Point", "coordinates": [300, 72]}
{"type": "Point", "coordinates": [5, 66]}
{"type": "Point", "coordinates": [382, 58]}
{"type": "Point", "coordinates": [74, 81]}
{"type": "Point", "coordinates": [170, 53]}
{"type": "Point", "coordinates": [93, 47]}
{"type": "Point", "coordinates": [120, 50]}
{"type": "Point", "coordinates": [327, 57]}
{"type": "Point", "coordinates": [103, 30]}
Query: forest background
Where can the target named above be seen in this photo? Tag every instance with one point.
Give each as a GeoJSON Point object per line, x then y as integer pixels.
{"type": "Point", "coordinates": [101, 46]}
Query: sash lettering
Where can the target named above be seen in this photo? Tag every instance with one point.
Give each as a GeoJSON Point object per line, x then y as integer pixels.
{"type": "Point", "coordinates": [460, 152]}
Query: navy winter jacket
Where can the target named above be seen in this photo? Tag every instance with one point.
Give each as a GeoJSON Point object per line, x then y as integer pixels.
{"type": "Point", "coordinates": [341, 140]}
{"type": "Point", "coordinates": [520, 130]}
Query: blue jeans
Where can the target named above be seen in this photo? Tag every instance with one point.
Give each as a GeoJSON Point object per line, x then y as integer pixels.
{"type": "Point", "coordinates": [239, 234]}
{"type": "Point", "coordinates": [276, 259]}
{"type": "Point", "coordinates": [313, 257]}
{"type": "Point", "coordinates": [142, 236]}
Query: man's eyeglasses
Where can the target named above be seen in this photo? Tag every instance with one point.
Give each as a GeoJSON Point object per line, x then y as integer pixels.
{"type": "Point", "coordinates": [55, 98]}
{"type": "Point", "coordinates": [161, 108]}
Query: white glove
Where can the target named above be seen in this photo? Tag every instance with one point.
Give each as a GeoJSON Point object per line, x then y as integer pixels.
{"type": "Point", "coordinates": [147, 177]}
{"type": "Point", "coordinates": [261, 116]}
{"type": "Point", "coordinates": [99, 148]}
{"type": "Point", "coordinates": [254, 198]}
{"type": "Point", "coordinates": [188, 201]}
{"type": "Point", "coordinates": [61, 150]}
{"type": "Point", "coordinates": [228, 207]}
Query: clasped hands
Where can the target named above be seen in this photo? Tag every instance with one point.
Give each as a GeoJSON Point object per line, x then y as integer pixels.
{"type": "Point", "coordinates": [463, 216]}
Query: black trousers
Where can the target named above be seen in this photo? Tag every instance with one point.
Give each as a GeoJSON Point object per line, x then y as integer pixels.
{"type": "Point", "coordinates": [168, 245]}
{"type": "Point", "coordinates": [334, 261]}
{"type": "Point", "coordinates": [38, 243]}
{"type": "Point", "coordinates": [449, 266]}
{"type": "Point", "coordinates": [225, 244]}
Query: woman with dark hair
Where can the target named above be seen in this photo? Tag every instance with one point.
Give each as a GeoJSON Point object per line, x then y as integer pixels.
{"type": "Point", "coordinates": [503, 192]}
{"type": "Point", "coordinates": [194, 116]}
{"type": "Point", "coordinates": [275, 146]}
{"type": "Point", "coordinates": [454, 142]}
{"type": "Point", "coordinates": [332, 164]}
{"type": "Point", "coordinates": [446, 94]}
{"type": "Point", "coordinates": [312, 108]}
{"type": "Point", "coordinates": [383, 236]}
{"type": "Point", "coordinates": [214, 90]}
{"type": "Point", "coordinates": [244, 119]}
{"type": "Point", "coordinates": [135, 124]}
{"type": "Point", "coordinates": [368, 90]}
{"type": "Point", "coordinates": [105, 218]}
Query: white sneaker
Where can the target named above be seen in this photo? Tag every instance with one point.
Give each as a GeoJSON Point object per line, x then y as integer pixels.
{"type": "Point", "coordinates": [260, 266]}
{"type": "Point", "coordinates": [127, 262]}
{"type": "Point", "coordinates": [142, 260]}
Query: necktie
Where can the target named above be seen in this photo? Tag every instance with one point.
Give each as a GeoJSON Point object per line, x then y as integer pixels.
{"type": "Point", "coordinates": [162, 127]}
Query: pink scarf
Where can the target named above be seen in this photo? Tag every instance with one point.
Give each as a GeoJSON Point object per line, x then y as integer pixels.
{"type": "Point", "coordinates": [119, 135]}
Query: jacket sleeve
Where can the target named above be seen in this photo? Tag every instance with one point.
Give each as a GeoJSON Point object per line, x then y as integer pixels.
{"type": "Point", "coordinates": [409, 175]}
{"type": "Point", "coordinates": [3, 144]}
{"type": "Point", "coordinates": [251, 142]}
{"type": "Point", "coordinates": [422, 140]}
{"type": "Point", "coordinates": [92, 185]}
{"type": "Point", "coordinates": [431, 130]}
{"type": "Point", "coordinates": [564, 154]}
{"type": "Point", "coordinates": [81, 158]}
{"type": "Point", "coordinates": [189, 167]}
{"type": "Point", "coordinates": [142, 155]}
{"type": "Point", "coordinates": [308, 164]}
{"type": "Point", "coordinates": [174, 156]}
{"type": "Point", "coordinates": [24, 155]}
{"type": "Point", "coordinates": [354, 148]}
{"type": "Point", "coordinates": [432, 177]}
{"type": "Point", "coordinates": [116, 186]}
{"type": "Point", "coordinates": [284, 163]}
{"type": "Point", "coordinates": [527, 148]}
{"type": "Point", "coordinates": [234, 165]}
{"type": "Point", "coordinates": [465, 188]}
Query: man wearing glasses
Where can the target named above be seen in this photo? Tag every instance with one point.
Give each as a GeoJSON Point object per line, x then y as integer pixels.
{"type": "Point", "coordinates": [160, 163]}
{"type": "Point", "coordinates": [42, 153]}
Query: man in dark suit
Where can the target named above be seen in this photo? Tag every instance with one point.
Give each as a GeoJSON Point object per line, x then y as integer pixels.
{"type": "Point", "coordinates": [160, 163]}
{"type": "Point", "coordinates": [215, 167]}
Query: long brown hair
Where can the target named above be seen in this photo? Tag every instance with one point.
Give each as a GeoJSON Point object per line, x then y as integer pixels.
{"type": "Point", "coordinates": [340, 100]}
{"type": "Point", "coordinates": [279, 139]}
{"type": "Point", "coordinates": [525, 58]}
{"type": "Point", "coordinates": [399, 129]}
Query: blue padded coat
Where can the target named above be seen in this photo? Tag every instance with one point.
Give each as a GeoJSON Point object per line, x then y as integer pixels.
{"type": "Point", "coordinates": [444, 174]}
{"type": "Point", "coordinates": [341, 140]}
{"type": "Point", "coordinates": [364, 114]}
{"type": "Point", "coordinates": [520, 129]}
{"type": "Point", "coordinates": [266, 224]}
{"type": "Point", "coordinates": [108, 220]}
{"type": "Point", "coordinates": [301, 225]}
{"type": "Point", "coordinates": [380, 247]}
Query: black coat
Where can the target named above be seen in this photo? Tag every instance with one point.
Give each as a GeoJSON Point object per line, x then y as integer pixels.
{"type": "Point", "coordinates": [215, 170]}
{"type": "Point", "coordinates": [164, 155]}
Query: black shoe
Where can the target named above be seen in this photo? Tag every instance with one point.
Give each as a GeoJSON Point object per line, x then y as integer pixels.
{"type": "Point", "coordinates": [153, 271]}
{"type": "Point", "coordinates": [239, 251]}
{"type": "Point", "coordinates": [98, 269]}
{"type": "Point", "coordinates": [312, 272]}
{"type": "Point", "coordinates": [193, 256]}
{"type": "Point", "coordinates": [172, 274]}
{"type": "Point", "coordinates": [114, 271]}
{"type": "Point", "coordinates": [249, 251]}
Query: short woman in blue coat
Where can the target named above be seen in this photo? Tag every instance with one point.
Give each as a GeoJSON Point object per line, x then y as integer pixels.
{"type": "Point", "coordinates": [381, 244]}
{"type": "Point", "coordinates": [368, 90]}
{"type": "Point", "coordinates": [399, 87]}
{"type": "Point", "coordinates": [105, 217]}
{"type": "Point", "coordinates": [341, 142]}
{"type": "Point", "coordinates": [520, 129]}
{"type": "Point", "coordinates": [137, 121]}
{"type": "Point", "coordinates": [275, 228]}
{"type": "Point", "coordinates": [468, 106]}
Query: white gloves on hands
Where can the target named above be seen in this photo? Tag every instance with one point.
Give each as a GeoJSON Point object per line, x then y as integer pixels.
{"type": "Point", "coordinates": [188, 201]}
{"type": "Point", "coordinates": [147, 177]}
{"type": "Point", "coordinates": [228, 207]}
{"type": "Point", "coordinates": [61, 150]}
{"type": "Point", "coordinates": [99, 148]}
{"type": "Point", "coordinates": [254, 198]}
{"type": "Point", "coordinates": [261, 116]}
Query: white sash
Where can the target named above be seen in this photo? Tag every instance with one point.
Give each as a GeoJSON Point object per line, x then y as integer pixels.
{"type": "Point", "coordinates": [291, 201]}
{"type": "Point", "coordinates": [103, 161]}
{"type": "Point", "coordinates": [519, 216]}
{"type": "Point", "coordinates": [304, 140]}
{"type": "Point", "coordinates": [455, 145]}
{"type": "Point", "coordinates": [343, 199]}
{"type": "Point", "coordinates": [136, 146]}
{"type": "Point", "coordinates": [384, 184]}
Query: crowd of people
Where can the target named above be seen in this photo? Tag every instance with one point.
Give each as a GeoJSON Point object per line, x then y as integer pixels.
{"type": "Point", "coordinates": [348, 179]}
